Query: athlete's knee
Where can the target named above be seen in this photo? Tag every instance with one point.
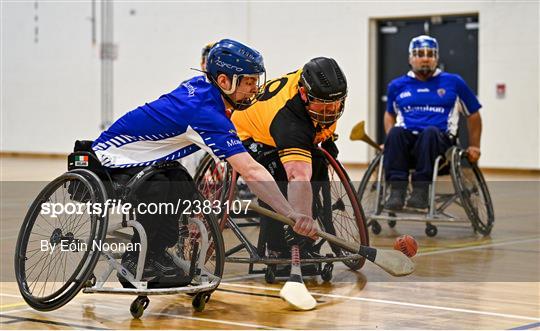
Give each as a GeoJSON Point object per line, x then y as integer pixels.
{"type": "Point", "coordinates": [396, 133]}
{"type": "Point", "coordinates": [431, 132]}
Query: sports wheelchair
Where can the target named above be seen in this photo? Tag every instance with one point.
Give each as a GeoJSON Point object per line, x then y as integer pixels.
{"type": "Point", "coordinates": [470, 192]}
{"type": "Point", "coordinates": [335, 206]}
{"type": "Point", "coordinates": [48, 280]}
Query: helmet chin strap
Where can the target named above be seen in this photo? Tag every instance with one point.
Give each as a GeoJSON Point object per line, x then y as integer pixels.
{"type": "Point", "coordinates": [233, 86]}
{"type": "Point", "coordinates": [226, 93]}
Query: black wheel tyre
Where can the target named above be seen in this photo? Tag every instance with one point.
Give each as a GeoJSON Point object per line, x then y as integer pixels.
{"type": "Point", "coordinates": [138, 306]}
{"type": "Point", "coordinates": [474, 194]}
{"type": "Point", "coordinates": [326, 273]}
{"type": "Point", "coordinates": [431, 230]}
{"type": "Point", "coordinates": [391, 224]}
{"type": "Point", "coordinates": [270, 275]}
{"type": "Point", "coordinates": [375, 227]}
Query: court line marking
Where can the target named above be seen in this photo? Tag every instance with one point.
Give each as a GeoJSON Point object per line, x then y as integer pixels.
{"type": "Point", "coordinates": [253, 326]}
{"type": "Point", "coordinates": [16, 319]}
{"type": "Point", "coordinates": [10, 295]}
{"type": "Point", "coordinates": [201, 319]}
{"type": "Point", "coordinates": [526, 327]}
{"type": "Point", "coordinates": [470, 248]}
{"type": "Point", "coordinates": [242, 277]}
{"type": "Point", "coordinates": [17, 304]}
{"type": "Point", "coordinates": [473, 243]}
{"type": "Point", "coordinates": [399, 303]}
{"type": "Point", "coordinates": [16, 310]}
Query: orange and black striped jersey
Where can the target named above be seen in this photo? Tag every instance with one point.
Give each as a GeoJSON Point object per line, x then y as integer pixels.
{"type": "Point", "coordinates": [280, 119]}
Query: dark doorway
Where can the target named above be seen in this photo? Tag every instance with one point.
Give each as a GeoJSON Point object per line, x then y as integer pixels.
{"type": "Point", "coordinates": [458, 46]}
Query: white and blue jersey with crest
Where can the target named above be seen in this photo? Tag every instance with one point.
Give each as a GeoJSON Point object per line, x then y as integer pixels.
{"type": "Point", "coordinates": [179, 123]}
{"type": "Point", "coordinates": [435, 102]}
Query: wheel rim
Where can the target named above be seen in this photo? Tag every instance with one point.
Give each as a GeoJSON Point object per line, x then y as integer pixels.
{"type": "Point", "coordinates": [191, 238]}
{"type": "Point", "coordinates": [347, 217]}
{"type": "Point", "coordinates": [474, 194]}
{"type": "Point", "coordinates": [367, 191]}
{"type": "Point", "coordinates": [213, 182]}
{"type": "Point", "coordinates": [46, 280]}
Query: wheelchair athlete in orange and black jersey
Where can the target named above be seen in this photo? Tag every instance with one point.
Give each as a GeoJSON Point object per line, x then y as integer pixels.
{"type": "Point", "coordinates": [295, 113]}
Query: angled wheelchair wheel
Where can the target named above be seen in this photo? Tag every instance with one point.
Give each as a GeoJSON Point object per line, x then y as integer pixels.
{"type": "Point", "coordinates": [371, 193]}
{"type": "Point", "coordinates": [214, 181]}
{"type": "Point", "coordinates": [48, 279]}
{"type": "Point", "coordinates": [339, 212]}
{"type": "Point", "coordinates": [200, 230]}
{"type": "Point", "coordinates": [472, 189]}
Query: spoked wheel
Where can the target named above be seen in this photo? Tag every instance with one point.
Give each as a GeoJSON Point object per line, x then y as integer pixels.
{"type": "Point", "coordinates": [473, 192]}
{"type": "Point", "coordinates": [199, 230]}
{"type": "Point", "coordinates": [338, 210]}
{"type": "Point", "coordinates": [214, 180]}
{"type": "Point", "coordinates": [371, 192]}
{"type": "Point", "coordinates": [49, 278]}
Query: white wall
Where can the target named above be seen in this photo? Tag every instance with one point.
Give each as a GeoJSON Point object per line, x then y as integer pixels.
{"type": "Point", "coordinates": [50, 90]}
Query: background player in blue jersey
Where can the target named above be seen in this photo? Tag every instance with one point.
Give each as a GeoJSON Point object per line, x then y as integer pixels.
{"type": "Point", "coordinates": [191, 117]}
{"type": "Point", "coordinates": [421, 122]}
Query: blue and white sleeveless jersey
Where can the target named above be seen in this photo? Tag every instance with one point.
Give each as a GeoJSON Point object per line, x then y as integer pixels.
{"type": "Point", "coordinates": [179, 123]}
{"type": "Point", "coordinates": [435, 102]}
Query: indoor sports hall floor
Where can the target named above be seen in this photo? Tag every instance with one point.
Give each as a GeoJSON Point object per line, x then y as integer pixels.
{"type": "Point", "coordinates": [462, 281]}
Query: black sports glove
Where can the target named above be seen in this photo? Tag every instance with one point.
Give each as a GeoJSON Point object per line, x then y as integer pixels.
{"type": "Point", "coordinates": [294, 238]}
{"type": "Point", "coordinates": [330, 146]}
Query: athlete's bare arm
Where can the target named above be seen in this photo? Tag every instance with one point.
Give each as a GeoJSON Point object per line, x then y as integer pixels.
{"type": "Point", "coordinates": [263, 185]}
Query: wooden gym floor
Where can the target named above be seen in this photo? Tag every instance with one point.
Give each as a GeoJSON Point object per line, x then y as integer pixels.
{"type": "Point", "coordinates": [462, 281]}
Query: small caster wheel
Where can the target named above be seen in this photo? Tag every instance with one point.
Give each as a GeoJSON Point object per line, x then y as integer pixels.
{"type": "Point", "coordinates": [199, 301]}
{"type": "Point", "coordinates": [90, 282]}
{"type": "Point", "coordinates": [270, 274]}
{"type": "Point", "coordinates": [431, 230]}
{"type": "Point", "coordinates": [138, 306]}
{"type": "Point", "coordinates": [326, 273]}
{"type": "Point", "coordinates": [375, 227]}
{"type": "Point", "coordinates": [391, 224]}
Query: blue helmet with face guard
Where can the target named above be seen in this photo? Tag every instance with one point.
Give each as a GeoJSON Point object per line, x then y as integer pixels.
{"type": "Point", "coordinates": [236, 61]}
{"type": "Point", "coordinates": [423, 42]}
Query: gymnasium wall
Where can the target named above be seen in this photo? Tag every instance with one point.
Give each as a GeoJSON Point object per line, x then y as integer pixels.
{"type": "Point", "coordinates": [50, 86]}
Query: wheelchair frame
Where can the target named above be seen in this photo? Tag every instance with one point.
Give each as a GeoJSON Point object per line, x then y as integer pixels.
{"type": "Point", "coordinates": [257, 253]}
{"type": "Point", "coordinates": [436, 213]}
{"type": "Point", "coordinates": [203, 282]}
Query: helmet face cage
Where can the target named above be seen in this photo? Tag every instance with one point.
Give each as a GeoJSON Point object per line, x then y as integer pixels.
{"type": "Point", "coordinates": [236, 61]}
{"type": "Point", "coordinates": [325, 112]}
{"type": "Point", "coordinates": [423, 42]}
{"type": "Point", "coordinates": [248, 101]}
{"type": "Point", "coordinates": [425, 52]}
{"type": "Point", "coordinates": [424, 47]}
{"type": "Point", "coordinates": [326, 88]}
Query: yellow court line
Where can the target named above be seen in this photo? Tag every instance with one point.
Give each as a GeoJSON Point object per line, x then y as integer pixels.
{"type": "Point", "coordinates": [16, 304]}
{"type": "Point", "coordinates": [473, 244]}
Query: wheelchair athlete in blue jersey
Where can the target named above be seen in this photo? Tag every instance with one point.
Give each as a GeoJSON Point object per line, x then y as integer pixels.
{"type": "Point", "coordinates": [191, 117]}
{"type": "Point", "coordinates": [421, 123]}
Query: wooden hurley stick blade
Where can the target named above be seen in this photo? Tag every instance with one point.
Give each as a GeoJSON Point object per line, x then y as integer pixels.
{"type": "Point", "coordinates": [358, 132]}
{"type": "Point", "coordinates": [394, 262]}
{"type": "Point", "coordinates": [297, 296]}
